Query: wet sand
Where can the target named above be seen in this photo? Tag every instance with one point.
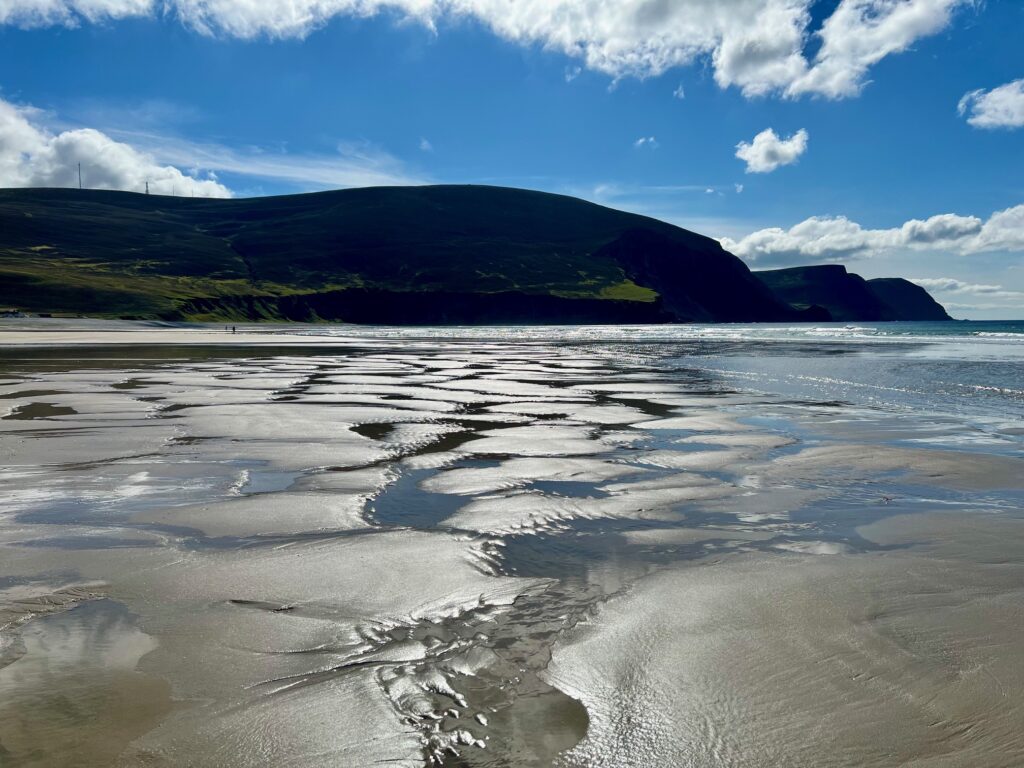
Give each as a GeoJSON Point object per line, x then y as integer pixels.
{"type": "Point", "coordinates": [235, 550]}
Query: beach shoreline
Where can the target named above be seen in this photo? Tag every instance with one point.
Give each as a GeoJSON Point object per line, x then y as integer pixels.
{"type": "Point", "coordinates": [292, 547]}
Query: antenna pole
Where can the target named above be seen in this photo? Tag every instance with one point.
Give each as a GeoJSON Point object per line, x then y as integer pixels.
{"type": "Point", "coordinates": [79, 175]}
{"type": "Point", "coordinates": [147, 187]}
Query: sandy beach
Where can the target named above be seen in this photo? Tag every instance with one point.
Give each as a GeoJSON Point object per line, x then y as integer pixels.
{"type": "Point", "coordinates": [260, 548]}
{"type": "Point", "coordinates": [34, 332]}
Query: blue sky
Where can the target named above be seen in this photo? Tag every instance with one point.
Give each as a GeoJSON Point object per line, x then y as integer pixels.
{"type": "Point", "coordinates": [884, 134]}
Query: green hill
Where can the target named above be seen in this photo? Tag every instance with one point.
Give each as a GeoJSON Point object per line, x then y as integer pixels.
{"type": "Point", "coordinates": [389, 254]}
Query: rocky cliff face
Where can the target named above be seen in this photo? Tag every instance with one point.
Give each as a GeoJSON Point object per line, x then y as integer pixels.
{"type": "Point", "coordinates": [907, 301]}
{"type": "Point", "coordinates": [851, 298]}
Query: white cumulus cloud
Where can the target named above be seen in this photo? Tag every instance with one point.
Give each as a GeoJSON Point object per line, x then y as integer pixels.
{"type": "Point", "coordinates": [33, 156]}
{"type": "Point", "coordinates": [819, 239]}
{"type": "Point", "coordinates": [768, 151]}
{"type": "Point", "coordinates": [1002, 107]}
{"type": "Point", "coordinates": [755, 45]}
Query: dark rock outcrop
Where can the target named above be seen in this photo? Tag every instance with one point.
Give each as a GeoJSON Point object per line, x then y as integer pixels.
{"type": "Point", "coordinates": [851, 298]}
{"type": "Point", "coordinates": [906, 300]}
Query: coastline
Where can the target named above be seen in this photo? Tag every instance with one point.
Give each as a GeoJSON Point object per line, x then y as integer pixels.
{"type": "Point", "coordinates": [77, 333]}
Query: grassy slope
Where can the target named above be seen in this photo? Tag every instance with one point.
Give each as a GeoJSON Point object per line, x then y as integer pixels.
{"type": "Point", "coordinates": [117, 254]}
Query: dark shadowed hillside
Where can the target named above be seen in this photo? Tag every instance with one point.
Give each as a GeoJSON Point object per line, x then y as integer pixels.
{"type": "Point", "coordinates": [397, 254]}
{"type": "Point", "coordinates": [907, 301]}
{"type": "Point", "coordinates": [851, 298]}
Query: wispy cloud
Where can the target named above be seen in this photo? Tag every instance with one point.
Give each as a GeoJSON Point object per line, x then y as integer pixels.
{"type": "Point", "coordinates": [350, 165]}
{"type": "Point", "coordinates": [951, 285]}
{"type": "Point", "coordinates": [149, 114]}
{"type": "Point", "coordinates": [956, 306]}
{"type": "Point", "coordinates": [649, 142]}
{"type": "Point", "coordinates": [685, 205]}
{"type": "Point", "coordinates": [611, 191]}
